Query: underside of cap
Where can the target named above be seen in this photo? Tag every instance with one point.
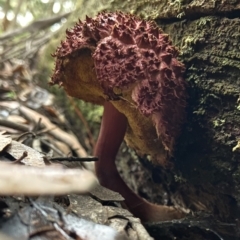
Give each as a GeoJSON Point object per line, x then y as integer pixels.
{"type": "Point", "coordinates": [131, 62]}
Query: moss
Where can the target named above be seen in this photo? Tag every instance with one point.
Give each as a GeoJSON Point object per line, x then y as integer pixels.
{"type": "Point", "coordinates": [218, 122]}
{"type": "Point", "coordinates": [152, 9]}
{"type": "Point", "coordinates": [209, 48]}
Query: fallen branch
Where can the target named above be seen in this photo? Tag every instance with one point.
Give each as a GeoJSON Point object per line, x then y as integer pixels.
{"type": "Point", "coordinates": [54, 131]}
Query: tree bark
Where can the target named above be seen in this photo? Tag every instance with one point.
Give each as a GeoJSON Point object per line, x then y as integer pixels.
{"type": "Point", "coordinates": [208, 151]}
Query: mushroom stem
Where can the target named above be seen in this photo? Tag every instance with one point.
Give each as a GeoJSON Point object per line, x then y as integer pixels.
{"type": "Point", "coordinates": [113, 128]}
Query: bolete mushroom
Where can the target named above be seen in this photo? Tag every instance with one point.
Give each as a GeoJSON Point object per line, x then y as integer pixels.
{"type": "Point", "coordinates": [129, 66]}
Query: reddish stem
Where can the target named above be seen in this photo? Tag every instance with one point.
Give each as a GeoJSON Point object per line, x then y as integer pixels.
{"type": "Point", "coordinates": [113, 128]}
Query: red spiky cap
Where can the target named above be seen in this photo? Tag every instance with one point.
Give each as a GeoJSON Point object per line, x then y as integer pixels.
{"type": "Point", "coordinates": [134, 56]}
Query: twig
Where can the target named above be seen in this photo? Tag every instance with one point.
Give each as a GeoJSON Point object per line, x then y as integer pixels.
{"type": "Point", "coordinates": [25, 134]}
{"type": "Point", "coordinates": [62, 232]}
{"type": "Point", "coordinates": [75, 159]}
{"type": "Point", "coordinates": [25, 42]}
{"type": "Point", "coordinates": [25, 154]}
{"type": "Point", "coordinates": [41, 230]}
{"type": "Point", "coordinates": [38, 125]}
{"type": "Point", "coordinates": [37, 25]}
{"type": "Point", "coordinates": [54, 131]}
{"type": "Point", "coordinates": [85, 123]}
{"type": "Point", "coordinates": [51, 146]}
{"type": "Point", "coordinates": [16, 126]}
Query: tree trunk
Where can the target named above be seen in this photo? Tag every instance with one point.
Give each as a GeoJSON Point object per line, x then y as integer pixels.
{"type": "Point", "coordinates": [208, 151]}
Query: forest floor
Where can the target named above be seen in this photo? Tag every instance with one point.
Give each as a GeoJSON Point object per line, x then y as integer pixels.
{"type": "Point", "coordinates": [34, 132]}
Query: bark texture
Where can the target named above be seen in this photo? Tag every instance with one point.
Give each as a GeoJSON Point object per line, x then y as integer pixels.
{"type": "Point", "coordinates": [209, 147]}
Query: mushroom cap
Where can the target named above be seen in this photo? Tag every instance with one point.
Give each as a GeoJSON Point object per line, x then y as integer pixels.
{"type": "Point", "coordinates": [129, 61]}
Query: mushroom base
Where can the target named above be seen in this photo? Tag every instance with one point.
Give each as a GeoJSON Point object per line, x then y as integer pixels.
{"type": "Point", "coordinates": [113, 128]}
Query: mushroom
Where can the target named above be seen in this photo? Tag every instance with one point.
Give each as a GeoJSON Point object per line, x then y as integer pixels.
{"type": "Point", "coordinates": [129, 66]}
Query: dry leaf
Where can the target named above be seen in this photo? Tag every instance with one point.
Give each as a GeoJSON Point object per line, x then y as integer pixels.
{"type": "Point", "coordinates": [16, 119]}
{"type": "Point", "coordinates": [92, 231]}
{"type": "Point", "coordinates": [33, 158]}
{"type": "Point", "coordinates": [5, 140]}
